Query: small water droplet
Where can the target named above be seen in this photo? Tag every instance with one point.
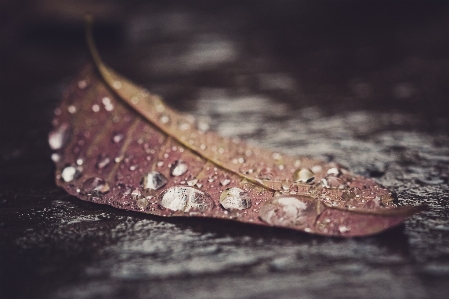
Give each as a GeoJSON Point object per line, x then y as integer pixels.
{"type": "Point", "coordinates": [303, 175]}
{"type": "Point", "coordinates": [55, 157]}
{"type": "Point", "coordinates": [79, 161]}
{"type": "Point", "coordinates": [143, 202]}
{"type": "Point", "coordinates": [203, 147]}
{"type": "Point", "coordinates": [118, 137]}
{"type": "Point", "coordinates": [133, 167]}
{"type": "Point", "coordinates": [334, 171]}
{"type": "Point", "coordinates": [71, 173]}
{"type": "Point", "coordinates": [202, 126]}
{"type": "Point", "coordinates": [59, 137]}
{"type": "Point", "coordinates": [82, 84]}
{"type": "Point", "coordinates": [96, 185]}
{"type": "Point", "coordinates": [181, 198]}
{"type": "Point", "coordinates": [164, 119]}
{"type": "Point", "coordinates": [160, 164]}
{"type": "Point", "coordinates": [71, 109]}
{"type": "Point", "coordinates": [95, 108]}
{"type": "Point", "coordinates": [225, 182]}
{"type": "Point", "coordinates": [183, 126]}
{"type": "Point", "coordinates": [343, 229]}
{"type": "Point", "coordinates": [135, 100]}
{"type": "Point", "coordinates": [235, 198]}
{"type": "Point", "coordinates": [117, 84]}
{"type": "Point", "coordinates": [102, 162]}
{"type": "Point", "coordinates": [276, 156]}
{"type": "Point", "coordinates": [153, 180]}
{"type": "Point", "coordinates": [192, 182]}
{"type": "Point", "coordinates": [136, 193]}
{"type": "Point", "coordinates": [267, 173]}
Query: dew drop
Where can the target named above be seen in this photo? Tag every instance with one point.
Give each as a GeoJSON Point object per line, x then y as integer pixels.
{"type": "Point", "coordinates": [183, 126]}
{"type": "Point", "coordinates": [164, 119]}
{"type": "Point", "coordinates": [71, 109]}
{"type": "Point", "coordinates": [181, 198]}
{"type": "Point", "coordinates": [71, 173]}
{"type": "Point", "coordinates": [202, 126]}
{"type": "Point", "coordinates": [303, 175]}
{"type": "Point", "coordinates": [55, 157]}
{"type": "Point", "coordinates": [96, 185]}
{"type": "Point", "coordinates": [285, 211]}
{"type": "Point", "coordinates": [118, 137]}
{"type": "Point", "coordinates": [334, 171]}
{"type": "Point", "coordinates": [153, 180]}
{"type": "Point", "coordinates": [59, 137]}
{"type": "Point", "coordinates": [95, 108]}
{"type": "Point", "coordinates": [79, 161]}
{"type": "Point", "coordinates": [192, 182]}
{"type": "Point", "coordinates": [225, 182]}
{"type": "Point", "coordinates": [136, 193]}
{"type": "Point", "coordinates": [267, 173]}
{"type": "Point", "coordinates": [178, 168]}
{"type": "Point", "coordinates": [235, 198]}
{"type": "Point", "coordinates": [143, 202]}
{"type": "Point", "coordinates": [102, 162]}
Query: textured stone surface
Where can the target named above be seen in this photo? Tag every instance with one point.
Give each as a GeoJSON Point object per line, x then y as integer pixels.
{"type": "Point", "coordinates": [362, 85]}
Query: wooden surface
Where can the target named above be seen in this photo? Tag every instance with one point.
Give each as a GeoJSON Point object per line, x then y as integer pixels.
{"type": "Point", "coordinates": [364, 85]}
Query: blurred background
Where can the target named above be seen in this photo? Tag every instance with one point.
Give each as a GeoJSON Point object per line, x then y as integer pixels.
{"type": "Point", "coordinates": [362, 83]}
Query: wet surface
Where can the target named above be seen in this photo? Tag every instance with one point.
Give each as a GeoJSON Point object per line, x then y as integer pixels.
{"type": "Point", "coordinates": [361, 85]}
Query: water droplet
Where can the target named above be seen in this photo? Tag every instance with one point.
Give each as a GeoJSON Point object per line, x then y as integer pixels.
{"type": "Point", "coordinates": [235, 198]}
{"type": "Point", "coordinates": [225, 182]}
{"type": "Point", "coordinates": [183, 126]}
{"type": "Point", "coordinates": [276, 156]}
{"type": "Point", "coordinates": [343, 229]}
{"type": "Point", "coordinates": [55, 157]}
{"type": "Point", "coordinates": [334, 171]}
{"type": "Point", "coordinates": [118, 137]}
{"type": "Point", "coordinates": [203, 147]}
{"type": "Point", "coordinates": [97, 185]}
{"type": "Point", "coordinates": [133, 167]}
{"type": "Point", "coordinates": [79, 161]}
{"type": "Point", "coordinates": [82, 84]}
{"type": "Point", "coordinates": [192, 182]}
{"type": "Point", "coordinates": [95, 108]}
{"type": "Point", "coordinates": [143, 202]}
{"type": "Point", "coordinates": [71, 173]}
{"type": "Point", "coordinates": [135, 100]}
{"type": "Point", "coordinates": [178, 168]}
{"type": "Point", "coordinates": [117, 84]}
{"type": "Point", "coordinates": [164, 119]}
{"type": "Point", "coordinates": [351, 194]}
{"type": "Point", "coordinates": [303, 175]}
{"type": "Point", "coordinates": [266, 174]}
{"type": "Point", "coordinates": [181, 198]}
{"type": "Point", "coordinates": [153, 180]}
{"type": "Point", "coordinates": [202, 126]}
{"type": "Point", "coordinates": [71, 109]}
{"type": "Point", "coordinates": [102, 162]}
{"type": "Point", "coordinates": [317, 168]}
{"type": "Point", "coordinates": [285, 211]}
{"type": "Point", "coordinates": [59, 137]}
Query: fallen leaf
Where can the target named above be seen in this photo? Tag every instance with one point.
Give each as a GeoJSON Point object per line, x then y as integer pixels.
{"type": "Point", "coordinates": [117, 144]}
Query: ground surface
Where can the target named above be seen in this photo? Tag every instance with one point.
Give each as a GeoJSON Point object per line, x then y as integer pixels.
{"type": "Point", "coordinates": [361, 84]}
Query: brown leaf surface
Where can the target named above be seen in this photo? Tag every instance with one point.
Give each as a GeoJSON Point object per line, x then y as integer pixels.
{"type": "Point", "coordinates": [117, 144]}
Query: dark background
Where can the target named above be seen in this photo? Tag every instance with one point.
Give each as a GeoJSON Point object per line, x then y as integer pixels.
{"type": "Point", "coordinates": [363, 83]}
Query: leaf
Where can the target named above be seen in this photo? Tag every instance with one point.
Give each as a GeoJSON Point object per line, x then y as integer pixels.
{"type": "Point", "coordinates": [117, 144]}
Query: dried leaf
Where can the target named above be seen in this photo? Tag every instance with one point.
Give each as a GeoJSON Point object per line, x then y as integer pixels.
{"type": "Point", "coordinates": [117, 144]}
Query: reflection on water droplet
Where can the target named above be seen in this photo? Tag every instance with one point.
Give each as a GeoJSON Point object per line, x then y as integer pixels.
{"type": "Point", "coordinates": [178, 168]}
{"type": "Point", "coordinates": [102, 162]}
{"type": "Point", "coordinates": [118, 137]}
{"type": "Point", "coordinates": [71, 173]}
{"type": "Point", "coordinates": [59, 136]}
{"type": "Point", "coordinates": [181, 198]}
{"type": "Point", "coordinates": [303, 175]}
{"type": "Point", "coordinates": [55, 157]}
{"type": "Point", "coordinates": [235, 198]}
{"type": "Point", "coordinates": [96, 184]}
{"type": "Point", "coordinates": [153, 180]}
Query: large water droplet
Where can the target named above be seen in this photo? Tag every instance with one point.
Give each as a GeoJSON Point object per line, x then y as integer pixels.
{"type": "Point", "coordinates": [285, 211]}
{"type": "Point", "coordinates": [235, 198]}
{"type": "Point", "coordinates": [71, 173]}
{"type": "Point", "coordinates": [59, 137]}
{"type": "Point", "coordinates": [97, 185]}
{"type": "Point", "coordinates": [153, 180]}
{"type": "Point", "coordinates": [181, 198]}
{"type": "Point", "coordinates": [178, 168]}
{"type": "Point", "coordinates": [303, 175]}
